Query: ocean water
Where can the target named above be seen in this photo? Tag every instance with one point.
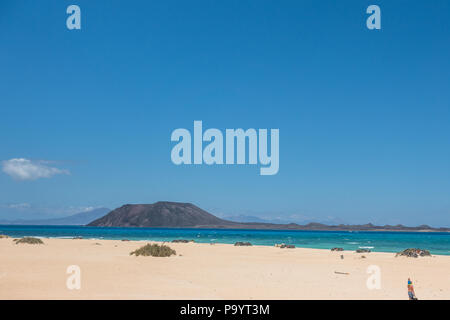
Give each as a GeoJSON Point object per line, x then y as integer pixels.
{"type": "Point", "coordinates": [435, 242]}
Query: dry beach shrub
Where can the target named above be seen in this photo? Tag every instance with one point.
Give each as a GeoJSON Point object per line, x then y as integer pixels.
{"type": "Point", "coordinates": [154, 250]}
{"type": "Point", "coordinates": [29, 240]}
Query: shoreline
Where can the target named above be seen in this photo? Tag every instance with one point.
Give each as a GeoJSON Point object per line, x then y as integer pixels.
{"type": "Point", "coordinates": [215, 243]}
{"type": "Point", "coordinates": [362, 246]}
{"type": "Point", "coordinates": [204, 271]}
{"type": "Point", "coordinates": [438, 243]}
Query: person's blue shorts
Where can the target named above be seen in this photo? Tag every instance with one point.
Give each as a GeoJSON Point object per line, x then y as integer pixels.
{"type": "Point", "coordinates": [411, 295]}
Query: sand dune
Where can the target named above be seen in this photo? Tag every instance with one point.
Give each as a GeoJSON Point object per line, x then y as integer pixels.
{"type": "Point", "coordinates": [203, 271]}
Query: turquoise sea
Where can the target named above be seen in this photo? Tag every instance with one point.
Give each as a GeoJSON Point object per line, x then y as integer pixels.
{"type": "Point", "coordinates": [435, 242]}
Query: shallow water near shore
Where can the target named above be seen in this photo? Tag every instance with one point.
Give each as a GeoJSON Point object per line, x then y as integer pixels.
{"type": "Point", "coordinates": [435, 242]}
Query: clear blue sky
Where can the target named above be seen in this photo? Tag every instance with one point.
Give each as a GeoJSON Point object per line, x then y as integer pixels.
{"type": "Point", "coordinates": [364, 116]}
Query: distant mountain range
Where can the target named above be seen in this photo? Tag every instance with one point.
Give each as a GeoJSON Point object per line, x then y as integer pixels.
{"type": "Point", "coordinates": [245, 219]}
{"type": "Point", "coordinates": [286, 220]}
{"type": "Point", "coordinates": [79, 219]}
{"type": "Point", "coordinates": [187, 215]}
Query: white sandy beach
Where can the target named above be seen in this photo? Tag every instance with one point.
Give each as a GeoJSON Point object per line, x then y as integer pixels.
{"type": "Point", "coordinates": [203, 271]}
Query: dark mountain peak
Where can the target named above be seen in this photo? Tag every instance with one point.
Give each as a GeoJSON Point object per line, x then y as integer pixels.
{"type": "Point", "coordinates": [315, 225]}
{"type": "Point", "coordinates": [160, 214]}
{"type": "Point", "coordinates": [171, 203]}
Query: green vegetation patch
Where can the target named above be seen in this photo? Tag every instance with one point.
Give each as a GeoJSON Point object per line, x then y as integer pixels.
{"type": "Point", "coordinates": [29, 240]}
{"type": "Point", "coordinates": [154, 250]}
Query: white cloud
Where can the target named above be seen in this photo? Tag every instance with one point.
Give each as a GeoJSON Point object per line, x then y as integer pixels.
{"type": "Point", "coordinates": [24, 169]}
{"type": "Point", "coordinates": [74, 210]}
{"type": "Point", "coordinates": [16, 206]}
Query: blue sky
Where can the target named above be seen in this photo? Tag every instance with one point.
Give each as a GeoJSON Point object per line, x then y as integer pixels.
{"type": "Point", "coordinates": [363, 115]}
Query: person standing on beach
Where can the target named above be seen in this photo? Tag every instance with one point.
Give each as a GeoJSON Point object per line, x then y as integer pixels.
{"type": "Point", "coordinates": [411, 293]}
